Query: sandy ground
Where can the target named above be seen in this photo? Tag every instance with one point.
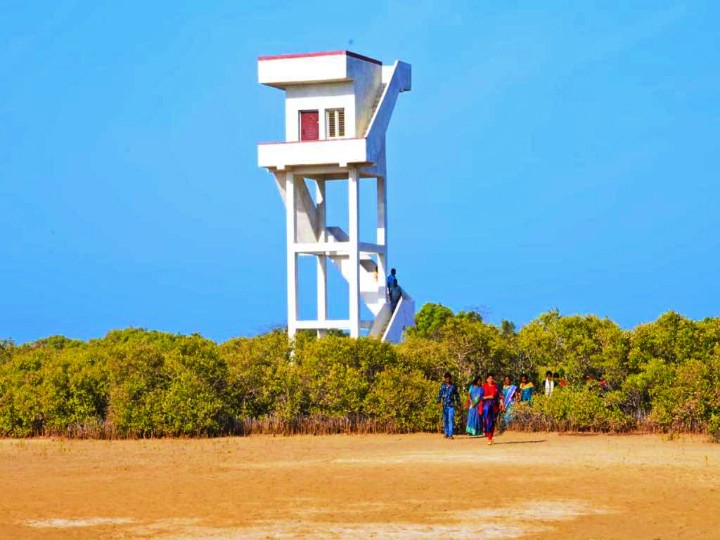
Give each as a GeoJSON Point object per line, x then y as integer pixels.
{"type": "Point", "coordinates": [381, 486]}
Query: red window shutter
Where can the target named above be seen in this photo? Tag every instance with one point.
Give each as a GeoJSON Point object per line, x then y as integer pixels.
{"type": "Point", "coordinates": [309, 126]}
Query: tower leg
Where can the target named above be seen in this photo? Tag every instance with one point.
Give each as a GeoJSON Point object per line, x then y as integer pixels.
{"type": "Point", "coordinates": [321, 259]}
{"type": "Point", "coordinates": [292, 273]}
{"type": "Point", "coordinates": [354, 234]}
{"type": "Point", "coordinates": [382, 222]}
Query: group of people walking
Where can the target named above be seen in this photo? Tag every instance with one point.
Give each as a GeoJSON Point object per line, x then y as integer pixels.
{"type": "Point", "coordinates": [485, 402]}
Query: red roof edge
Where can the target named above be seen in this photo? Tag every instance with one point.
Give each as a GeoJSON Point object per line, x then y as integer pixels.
{"type": "Point", "coordinates": [325, 53]}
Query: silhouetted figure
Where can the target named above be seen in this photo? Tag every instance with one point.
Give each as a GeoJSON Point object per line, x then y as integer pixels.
{"type": "Point", "coordinates": [393, 290]}
{"type": "Point", "coordinates": [549, 384]}
{"type": "Point", "coordinates": [391, 282]}
{"type": "Point", "coordinates": [39, 425]}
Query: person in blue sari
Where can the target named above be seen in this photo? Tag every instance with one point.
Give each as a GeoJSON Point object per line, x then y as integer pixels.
{"type": "Point", "coordinates": [474, 420]}
{"type": "Point", "coordinates": [526, 389]}
{"type": "Point", "coordinates": [509, 393]}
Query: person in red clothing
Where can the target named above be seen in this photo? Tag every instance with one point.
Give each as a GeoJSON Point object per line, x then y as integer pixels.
{"type": "Point", "coordinates": [492, 404]}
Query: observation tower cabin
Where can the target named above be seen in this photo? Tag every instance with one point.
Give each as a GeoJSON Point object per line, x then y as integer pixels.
{"type": "Point", "coordinates": [338, 107]}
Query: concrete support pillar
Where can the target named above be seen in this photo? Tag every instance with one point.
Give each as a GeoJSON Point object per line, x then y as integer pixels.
{"type": "Point", "coordinates": [382, 223]}
{"type": "Point", "coordinates": [354, 238]}
{"type": "Point", "coordinates": [292, 273]}
{"type": "Point", "coordinates": [322, 311]}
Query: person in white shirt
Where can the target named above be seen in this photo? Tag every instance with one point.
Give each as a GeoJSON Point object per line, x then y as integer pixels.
{"type": "Point", "coordinates": [549, 384]}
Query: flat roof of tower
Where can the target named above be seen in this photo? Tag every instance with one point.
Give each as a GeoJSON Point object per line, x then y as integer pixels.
{"type": "Point", "coordinates": [284, 70]}
{"type": "Point", "coordinates": [321, 53]}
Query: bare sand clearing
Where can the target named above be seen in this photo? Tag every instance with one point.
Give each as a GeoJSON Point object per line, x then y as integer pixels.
{"type": "Point", "coordinates": [382, 486]}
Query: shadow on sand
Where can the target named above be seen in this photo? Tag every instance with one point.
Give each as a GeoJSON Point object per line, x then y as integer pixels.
{"type": "Point", "coordinates": [521, 442]}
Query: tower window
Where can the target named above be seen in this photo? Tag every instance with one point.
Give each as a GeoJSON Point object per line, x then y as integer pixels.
{"type": "Point", "coordinates": [335, 123]}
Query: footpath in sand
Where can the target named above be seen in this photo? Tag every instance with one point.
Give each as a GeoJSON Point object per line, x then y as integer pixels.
{"type": "Point", "coordinates": [529, 485]}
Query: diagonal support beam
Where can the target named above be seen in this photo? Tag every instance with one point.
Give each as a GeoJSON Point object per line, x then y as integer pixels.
{"type": "Point", "coordinates": [308, 223]}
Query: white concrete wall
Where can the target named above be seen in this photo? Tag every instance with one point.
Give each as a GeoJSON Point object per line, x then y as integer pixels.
{"type": "Point", "coordinates": [367, 78]}
{"type": "Point", "coordinates": [333, 152]}
{"type": "Point", "coordinates": [318, 97]}
{"type": "Point", "coordinates": [286, 70]}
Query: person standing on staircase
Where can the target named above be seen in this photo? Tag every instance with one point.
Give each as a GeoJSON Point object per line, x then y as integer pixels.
{"type": "Point", "coordinates": [391, 282]}
{"type": "Point", "coordinates": [393, 290]}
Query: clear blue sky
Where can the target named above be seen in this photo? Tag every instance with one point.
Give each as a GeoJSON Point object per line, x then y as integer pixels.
{"type": "Point", "coordinates": [551, 154]}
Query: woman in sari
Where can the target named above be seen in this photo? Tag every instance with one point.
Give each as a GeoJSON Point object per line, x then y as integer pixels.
{"type": "Point", "coordinates": [474, 424]}
{"type": "Point", "coordinates": [491, 405]}
{"type": "Point", "coordinates": [509, 392]}
{"type": "Point", "coordinates": [526, 389]}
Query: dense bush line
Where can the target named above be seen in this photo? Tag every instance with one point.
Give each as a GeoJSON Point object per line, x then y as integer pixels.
{"type": "Point", "coordinates": [662, 376]}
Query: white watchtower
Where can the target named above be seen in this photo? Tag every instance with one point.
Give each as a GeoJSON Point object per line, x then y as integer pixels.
{"type": "Point", "coordinates": [337, 109]}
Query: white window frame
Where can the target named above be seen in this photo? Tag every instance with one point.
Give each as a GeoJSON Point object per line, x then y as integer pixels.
{"type": "Point", "coordinates": [332, 120]}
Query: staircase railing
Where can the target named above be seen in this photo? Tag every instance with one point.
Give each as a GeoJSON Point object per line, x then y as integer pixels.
{"type": "Point", "coordinates": [402, 318]}
{"type": "Point", "coordinates": [398, 81]}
